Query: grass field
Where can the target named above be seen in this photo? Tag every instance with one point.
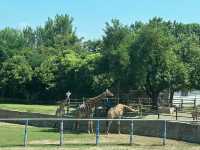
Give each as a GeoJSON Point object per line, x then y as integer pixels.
{"type": "Point", "coordinates": [43, 109]}
{"type": "Point", "coordinates": [11, 137]}
{"type": "Point", "coordinates": [50, 109]}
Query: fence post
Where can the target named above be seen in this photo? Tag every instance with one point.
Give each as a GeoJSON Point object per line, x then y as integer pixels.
{"type": "Point", "coordinates": [176, 113]}
{"type": "Point", "coordinates": [97, 132]}
{"type": "Point", "coordinates": [140, 109]}
{"type": "Point", "coordinates": [131, 133]}
{"type": "Point", "coordinates": [181, 103]}
{"type": "Point", "coordinates": [61, 133]}
{"type": "Point", "coordinates": [164, 132]}
{"type": "Point", "coordinates": [195, 102]}
{"type": "Point", "coordinates": [26, 133]}
{"type": "Point", "coordinates": [158, 113]}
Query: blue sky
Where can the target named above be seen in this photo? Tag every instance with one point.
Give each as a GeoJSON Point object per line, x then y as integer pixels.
{"type": "Point", "coordinates": [90, 15]}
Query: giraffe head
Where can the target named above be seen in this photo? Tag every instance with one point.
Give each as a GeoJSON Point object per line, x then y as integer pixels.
{"type": "Point", "coordinates": [108, 93]}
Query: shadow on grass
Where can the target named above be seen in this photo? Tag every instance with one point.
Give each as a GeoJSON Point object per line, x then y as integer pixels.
{"type": "Point", "coordinates": [47, 145]}
{"type": "Point", "coordinates": [78, 145]}
{"type": "Point", "coordinates": [54, 130]}
{"type": "Point", "coordinates": [11, 145]}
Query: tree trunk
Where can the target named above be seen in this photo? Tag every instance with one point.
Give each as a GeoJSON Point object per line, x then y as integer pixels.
{"type": "Point", "coordinates": [155, 100]}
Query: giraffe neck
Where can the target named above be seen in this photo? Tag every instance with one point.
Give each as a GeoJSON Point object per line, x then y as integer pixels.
{"type": "Point", "coordinates": [129, 108]}
{"type": "Point", "coordinates": [92, 101]}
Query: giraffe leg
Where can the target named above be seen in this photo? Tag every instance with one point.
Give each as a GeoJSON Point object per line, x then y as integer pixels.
{"type": "Point", "coordinates": [75, 125]}
{"type": "Point", "coordinates": [119, 127]}
{"type": "Point", "coordinates": [92, 126]}
{"type": "Point", "coordinates": [119, 130]}
{"type": "Point", "coordinates": [55, 125]}
{"type": "Point", "coordinates": [89, 126]}
{"type": "Point", "coordinates": [108, 126]}
{"type": "Point", "coordinates": [106, 130]}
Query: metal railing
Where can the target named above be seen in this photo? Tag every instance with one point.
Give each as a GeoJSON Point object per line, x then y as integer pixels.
{"type": "Point", "coordinates": [131, 133]}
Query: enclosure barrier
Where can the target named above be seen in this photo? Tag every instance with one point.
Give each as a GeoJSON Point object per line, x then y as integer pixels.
{"type": "Point", "coordinates": [131, 141]}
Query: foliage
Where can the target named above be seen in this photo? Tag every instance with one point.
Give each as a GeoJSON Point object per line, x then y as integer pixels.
{"type": "Point", "coordinates": [41, 64]}
{"type": "Point", "coordinates": [150, 57]}
{"type": "Point", "coordinates": [15, 74]}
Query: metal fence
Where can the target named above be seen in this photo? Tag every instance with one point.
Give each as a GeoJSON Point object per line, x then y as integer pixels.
{"type": "Point", "coordinates": [61, 120]}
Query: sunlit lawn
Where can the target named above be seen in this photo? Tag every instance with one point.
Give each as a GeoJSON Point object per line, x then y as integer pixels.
{"type": "Point", "coordinates": [50, 109]}
{"type": "Point", "coordinates": [44, 109]}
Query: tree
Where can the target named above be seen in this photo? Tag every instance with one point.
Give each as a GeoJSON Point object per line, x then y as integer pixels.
{"type": "Point", "coordinates": [189, 53]}
{"type": "Point", "coordinates": [11, 41]}
{"type": "Point", "coordinates": [177, 74]}
{"type": "Point", "coordinates": [15, 75]}
{"type": "Point", "coordinates": [149, 54]}
{"type": "Point", "coordinates": [58, 32]}
{"type": "Point", "coordinates": [93, 46]}
{"type": "Point", "coordinates": [29, 37]}
{"type": "Point", "coordinates": [115, 58]}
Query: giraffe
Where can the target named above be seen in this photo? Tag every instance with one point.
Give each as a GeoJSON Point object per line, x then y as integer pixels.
{"type": "Point", "coordinates": [117, 112]}
{"type": "Point", "coordinates": [195, 114]}
{"type": "Point", "coordinates": [86, 109]}
{"type": "Point", "coordinates": [60, 111]}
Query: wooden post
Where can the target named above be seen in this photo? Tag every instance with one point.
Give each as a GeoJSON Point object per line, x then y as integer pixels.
{"type": "Point", "coordinates": [195, 102]}
{"type": "Point", "coordinates": [26, 134]}
{"type": "Point", "coordinates": [176, 113]}
{"type": "Point", "coordinates": [181, 103]}
{"type": "Point", "coordinates": [131, 134]}
{"type": "Point", "coordinates": [164, 132]}
{"type": "Point", "coordinates": [140, 107]}
{"type": "Point", "coordinates": [61, 133]}
{"type": "Point", "coordinates": [97, 132]}
{"type": "Point", "coordinates": [158, 114]}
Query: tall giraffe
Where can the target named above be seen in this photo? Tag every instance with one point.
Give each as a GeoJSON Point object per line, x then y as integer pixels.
{"type": "Point", "coordinates": [87, 108]}
{"type": "Point", "coordinates": [117, 112]}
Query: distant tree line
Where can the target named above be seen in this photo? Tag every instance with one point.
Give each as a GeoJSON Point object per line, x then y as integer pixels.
{"type": "Point", "coordinates": [40, 65]}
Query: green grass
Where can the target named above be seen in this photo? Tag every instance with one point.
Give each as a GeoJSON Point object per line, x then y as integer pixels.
{"type": "Point", "coordinates": [50, 109]}
{"type": "Point", "coordinates": [43, 109]}
{"type": "Point", "coordinates": [11, 137]}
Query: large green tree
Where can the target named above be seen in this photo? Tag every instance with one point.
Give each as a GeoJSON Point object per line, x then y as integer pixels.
{"type": "Point", "coordinates": [115, 58]}
{"type": "Point", "coordinates": [149, 55]}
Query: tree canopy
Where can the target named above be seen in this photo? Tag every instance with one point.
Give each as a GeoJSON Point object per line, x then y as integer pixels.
{"type": "Point", "coordinates": [41, 64]}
